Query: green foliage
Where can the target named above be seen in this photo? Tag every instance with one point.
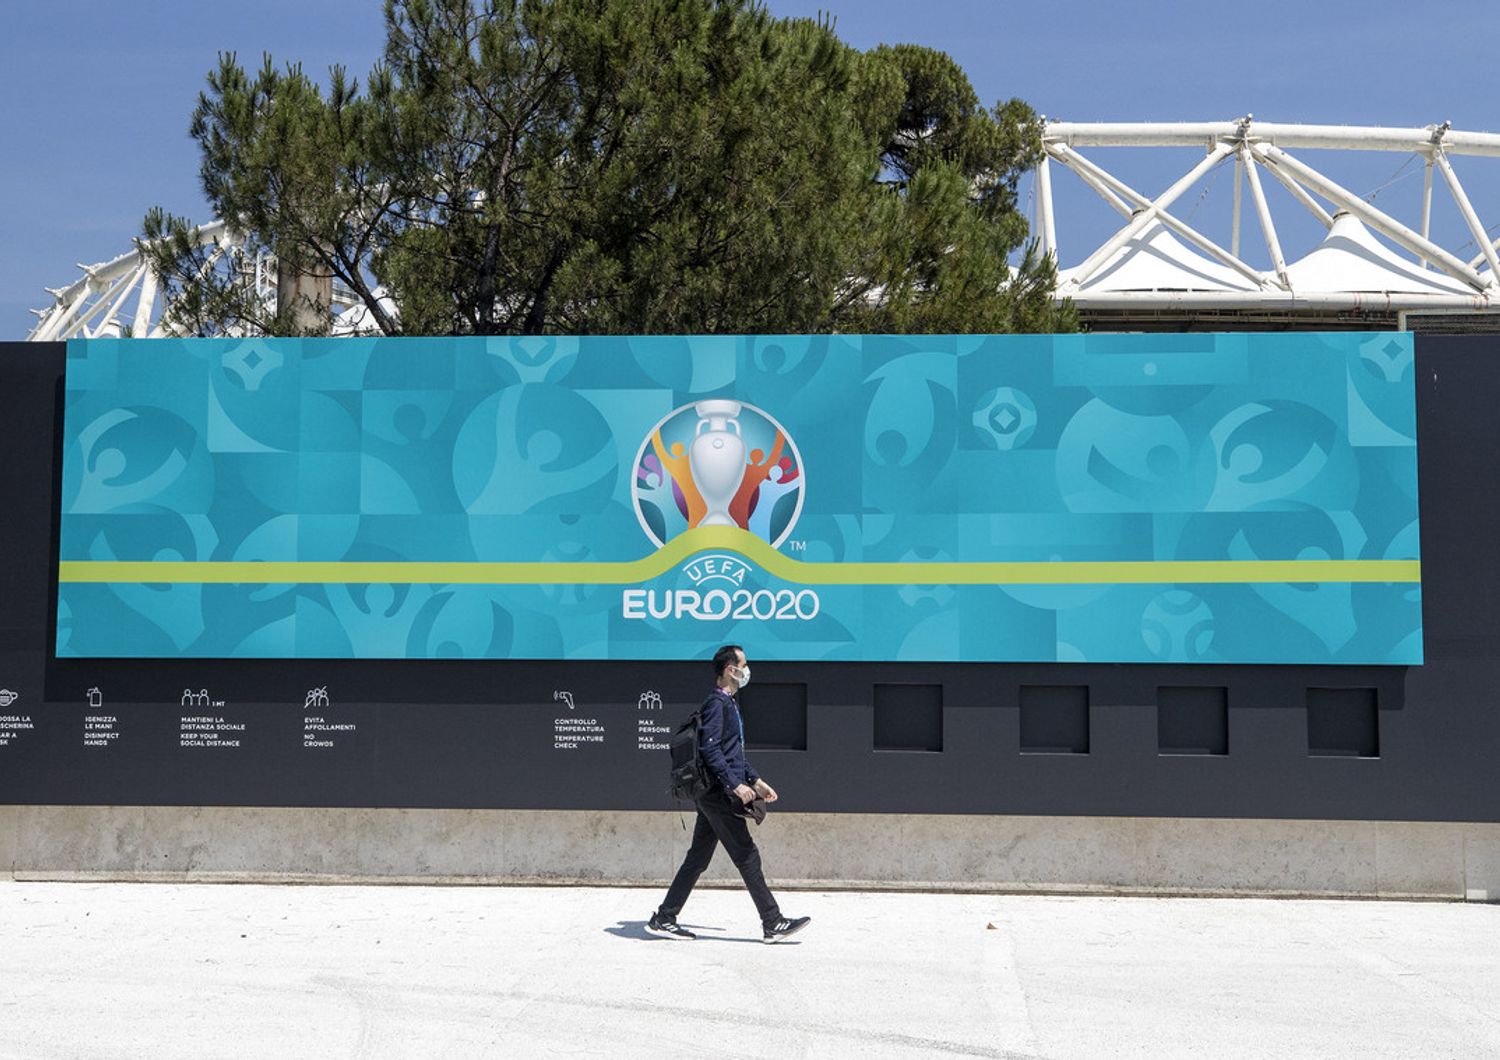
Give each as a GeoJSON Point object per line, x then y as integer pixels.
{"type": "Point", "coordinates": [618, 166]}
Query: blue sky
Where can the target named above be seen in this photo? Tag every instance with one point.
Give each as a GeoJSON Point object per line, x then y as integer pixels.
{"type": "Point", "coordinates": [95, 97]}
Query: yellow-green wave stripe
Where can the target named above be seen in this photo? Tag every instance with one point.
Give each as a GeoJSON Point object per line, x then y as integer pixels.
{"type": "Point", "coordinates": [750, 547]}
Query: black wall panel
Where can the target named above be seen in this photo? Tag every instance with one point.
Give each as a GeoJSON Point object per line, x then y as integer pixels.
{"type": "Point", "coordinates": [1276, 741]}
{"type": "Point", "coordinates": [1192, 719]}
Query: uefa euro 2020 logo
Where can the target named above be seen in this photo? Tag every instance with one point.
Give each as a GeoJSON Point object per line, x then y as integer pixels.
{"type": "Point", "coordinates": [718, 463]}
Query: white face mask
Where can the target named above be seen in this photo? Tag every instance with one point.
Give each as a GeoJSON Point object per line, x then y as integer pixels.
{"type": "Point", "coordinates": [741, 674]}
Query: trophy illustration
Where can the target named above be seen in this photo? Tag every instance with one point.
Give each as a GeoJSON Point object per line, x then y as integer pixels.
{"type": "Point", "coordinates": [717, 459]}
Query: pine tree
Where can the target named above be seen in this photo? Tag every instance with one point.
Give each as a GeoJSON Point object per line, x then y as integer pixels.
{"type": "Point", "coordinates": [520, 167]}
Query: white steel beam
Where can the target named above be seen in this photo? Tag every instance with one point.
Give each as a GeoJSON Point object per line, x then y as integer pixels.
{"type": "Point", "coordinates": [1470, 217]}
{"type": "Point", "coordinates": [1267, 226]}
{"type": "Point", "coordinates": [1239, 189]}
{"type": "Point", "coordinates": [1044, 206]}
{"type": "Point", "coordinates": [1300, 194]}
{"type": "Point", "coordinates": [1197, 134]}
{"type": "Point", "coordinates": [1102, 190]}
{"type": "Point", "coordinates": [1427, 209]}
{"type": "Point", "coordinates": [1479, 258]}
{"type": "Point", "coordinates": [1278, 299]}
{"type": "Point", "coordinates": [1382, 222]}
{"type": "Point", "coordinates": [144, 304]}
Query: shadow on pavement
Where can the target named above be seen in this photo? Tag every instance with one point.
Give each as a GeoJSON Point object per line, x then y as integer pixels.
{"type": "Point", "coordinates": [636, 929]}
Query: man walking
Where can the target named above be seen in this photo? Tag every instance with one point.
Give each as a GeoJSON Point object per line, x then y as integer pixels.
{"type": "Point", "coordinates": [734, 785]}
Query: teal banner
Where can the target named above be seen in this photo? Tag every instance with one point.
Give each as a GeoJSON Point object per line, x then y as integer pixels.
{"type": "Point", "coordinates": [1237, 498]}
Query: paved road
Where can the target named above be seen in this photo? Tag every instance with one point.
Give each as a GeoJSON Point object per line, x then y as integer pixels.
{"type": "Point", "coordinates": [198, 971]}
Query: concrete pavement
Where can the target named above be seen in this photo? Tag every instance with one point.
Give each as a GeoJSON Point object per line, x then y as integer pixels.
{"type": "Point", "coordinates": [104, 970]}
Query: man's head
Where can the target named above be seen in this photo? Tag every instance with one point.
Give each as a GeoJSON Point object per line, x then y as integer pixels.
{"type": "Point", "coordinates": [731, 670]}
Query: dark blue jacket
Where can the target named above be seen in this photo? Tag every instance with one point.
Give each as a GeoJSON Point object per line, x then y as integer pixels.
{"type": "Point", "coordinates": [721, 738]}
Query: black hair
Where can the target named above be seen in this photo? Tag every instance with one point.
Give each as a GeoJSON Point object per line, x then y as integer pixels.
{"type": "Point", "coordinates": [728, 655]}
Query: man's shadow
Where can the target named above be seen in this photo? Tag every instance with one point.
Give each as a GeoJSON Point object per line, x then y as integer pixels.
{"type": "Point", "coordinates": [636, 929]}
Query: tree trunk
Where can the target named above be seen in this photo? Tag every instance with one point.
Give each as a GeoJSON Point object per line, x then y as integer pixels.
{"type": "Point", "coordinates": [306, 296]}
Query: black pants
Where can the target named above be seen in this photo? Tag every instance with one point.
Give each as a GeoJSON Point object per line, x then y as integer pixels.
{"type": "Point", "coordinates": [718, 823]}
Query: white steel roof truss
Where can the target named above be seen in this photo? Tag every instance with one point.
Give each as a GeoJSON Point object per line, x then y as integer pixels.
{"type": "Point", "coordinates": [1258, 145]}
{"type": "Point", "coordinates": [1151, 210]}
{"type": "Point", "coordinates": [99, 285]}
{"type": "Point", "coordinates": [1373, 216]}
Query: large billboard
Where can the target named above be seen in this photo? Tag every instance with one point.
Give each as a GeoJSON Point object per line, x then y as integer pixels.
{"type": "Point", "coordinates": [1245, 498]}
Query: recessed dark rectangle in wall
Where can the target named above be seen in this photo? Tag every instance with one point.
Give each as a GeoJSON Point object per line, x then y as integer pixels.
{"type": "Point", "coordinates": [1343, 722]}
{"type": "Point", "coordinates": [908, 717]}
{"type": "Point", "coordinates": [1055, 719]}
{"type": "Point", "coordinates": [1192, 720]}
{"type": "Point", "coordinates": [775, 717]}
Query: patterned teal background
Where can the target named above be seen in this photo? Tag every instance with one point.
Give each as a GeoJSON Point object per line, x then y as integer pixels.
{"type": "Point", "coordinates": [936, 449]}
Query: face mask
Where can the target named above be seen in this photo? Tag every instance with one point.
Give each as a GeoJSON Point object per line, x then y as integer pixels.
{"type": "Point", "coordinates": [740, 674]}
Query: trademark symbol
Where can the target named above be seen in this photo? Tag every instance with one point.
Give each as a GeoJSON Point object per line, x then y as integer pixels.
{"type": "Point", "coordinates": [796, 546]}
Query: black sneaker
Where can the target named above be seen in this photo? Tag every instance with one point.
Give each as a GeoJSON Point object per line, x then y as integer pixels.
{"type": "Point", "coordinates": [668, 927]}
{"type": "Point", "coordinates": [785, 928]}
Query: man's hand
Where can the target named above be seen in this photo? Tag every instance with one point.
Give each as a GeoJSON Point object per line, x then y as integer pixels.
{"type": "Point", "coordinates": [765, 791]}
{"type": "Point", "coordinates": [745, 793]}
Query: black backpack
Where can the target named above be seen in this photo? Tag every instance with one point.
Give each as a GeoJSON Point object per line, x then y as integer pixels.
{"type": "Point", "coordinates": [689, 777]}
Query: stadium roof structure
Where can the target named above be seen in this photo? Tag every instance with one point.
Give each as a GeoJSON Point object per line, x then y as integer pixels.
{"type": "Point", "coordinates": [122, 296]}
{"type": "Point", "coordinates": [1158, 270]}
